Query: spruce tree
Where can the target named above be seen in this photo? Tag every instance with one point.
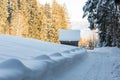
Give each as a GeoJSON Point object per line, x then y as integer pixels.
{"type": "Point", "coordinates": [3, 15]}
{"type": "Point", "coordinates": [103, 14]}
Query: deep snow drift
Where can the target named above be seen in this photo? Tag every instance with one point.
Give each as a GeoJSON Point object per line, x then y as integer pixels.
{"type": "Point", "coordinates": [30, 59]}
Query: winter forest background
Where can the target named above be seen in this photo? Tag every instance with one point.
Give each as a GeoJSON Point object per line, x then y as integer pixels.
{"type": "Point", "coordinates": [31, 19]}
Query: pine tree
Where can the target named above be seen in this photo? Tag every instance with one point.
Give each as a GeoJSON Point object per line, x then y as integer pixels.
{"type": "Point", "coordinates": [33, 20]}
{"type": "Point", "coordinates": [47, 22]}
{"type": "Point", "coordinates": [18, 23]}
{"type": "Point", "coordinates": [103, 13]}
{"type": "Point", "coordinates": [3, 15]}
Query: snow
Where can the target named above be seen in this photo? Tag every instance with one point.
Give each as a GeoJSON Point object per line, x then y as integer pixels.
{"type": "Point", "coordinates": [99, 64]}
{"type": "Point", "coordinates": [69, 35]}
{"type": "Point", "coordinates": [30, 59]}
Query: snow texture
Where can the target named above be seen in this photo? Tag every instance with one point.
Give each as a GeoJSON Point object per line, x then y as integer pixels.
{"type": "Point", "coordinates": [69, 35]}
{"type": "Point", "coordinates": [99, 64]}
{"type": "Point", "coordinates": [30, 59]}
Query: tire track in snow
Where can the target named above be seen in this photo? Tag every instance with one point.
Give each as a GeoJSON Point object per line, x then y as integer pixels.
{"type": "Point", "coordinates": [93, 72]}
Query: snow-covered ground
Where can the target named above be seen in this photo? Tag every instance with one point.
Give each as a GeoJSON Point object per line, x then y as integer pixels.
{"type": "Point", "coordinates": [29, 59]}
{"type": "Point", "coordinates": [99, 64]}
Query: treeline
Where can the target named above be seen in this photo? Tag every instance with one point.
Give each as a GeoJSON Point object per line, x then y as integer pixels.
{"type": "Point", "coordinates": [29, 18]}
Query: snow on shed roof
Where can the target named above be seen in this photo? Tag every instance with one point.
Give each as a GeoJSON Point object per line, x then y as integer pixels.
{"type": "Point", "coordinates": [69, 35]}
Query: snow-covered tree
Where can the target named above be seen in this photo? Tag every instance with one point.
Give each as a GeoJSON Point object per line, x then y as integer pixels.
{"type": "Point", "coordinates": [102, 14]}
{"type": "Point", "coordinates": [3, 15]}
{"type": "Point", "coordinates": [29, 18]}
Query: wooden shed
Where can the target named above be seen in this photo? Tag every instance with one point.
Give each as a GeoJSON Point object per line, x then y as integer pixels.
{"type": "Point", "coordinates": [69, 37]}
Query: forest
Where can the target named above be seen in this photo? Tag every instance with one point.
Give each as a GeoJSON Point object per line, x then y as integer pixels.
{"type": "Point", "coordinates": [29, 18]}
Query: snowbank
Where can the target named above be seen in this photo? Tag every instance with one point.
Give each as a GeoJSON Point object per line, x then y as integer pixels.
{"type": "Point", "coordinates": [109, 62]}
{"type": "Point", "coordinates": [29, 59]}
{"type": "Point", "coordinates": [111, 51]}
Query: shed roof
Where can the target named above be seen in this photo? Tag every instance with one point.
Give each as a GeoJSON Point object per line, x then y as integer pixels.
{"type": "Point", "coordinates": [69, 35]}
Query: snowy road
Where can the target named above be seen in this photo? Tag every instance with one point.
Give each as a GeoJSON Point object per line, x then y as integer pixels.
{"type": "Point", "coordinates": [94, 66]}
